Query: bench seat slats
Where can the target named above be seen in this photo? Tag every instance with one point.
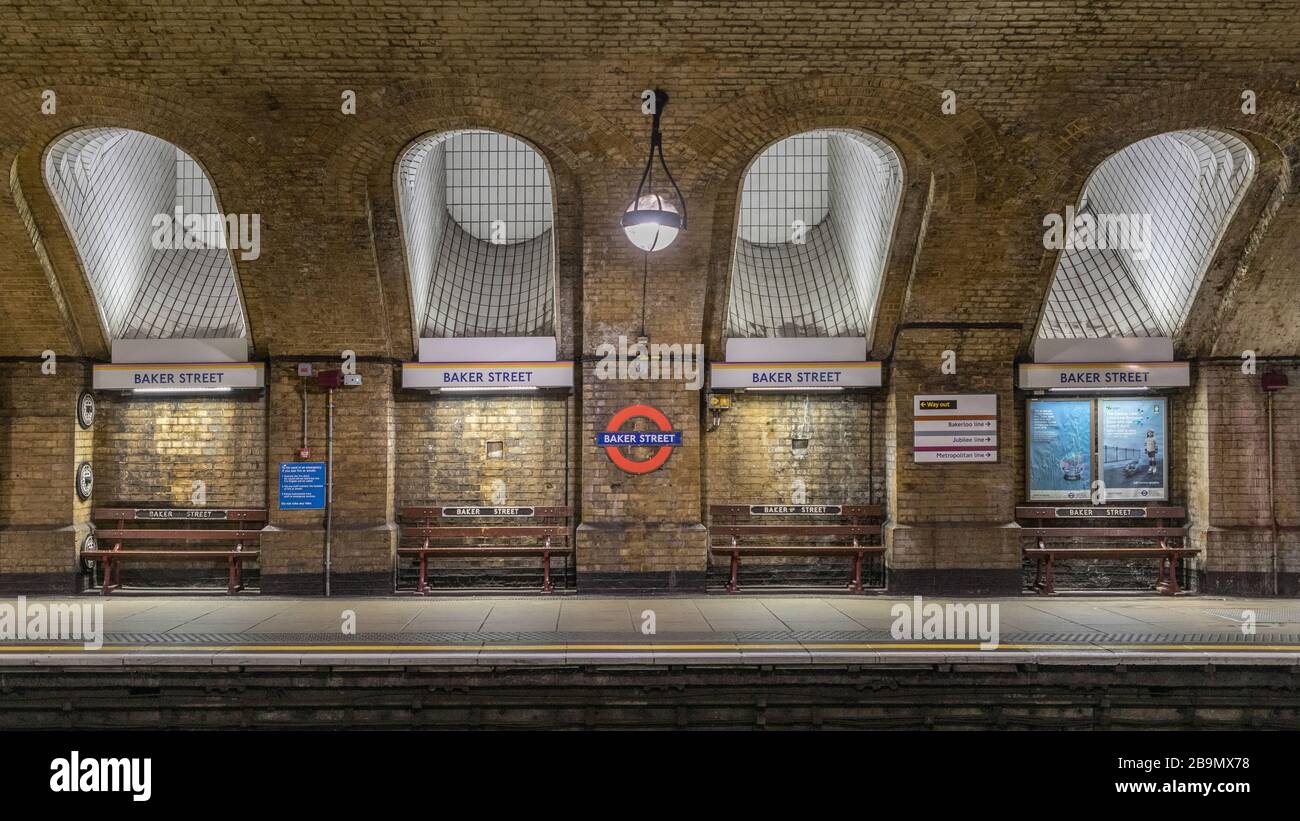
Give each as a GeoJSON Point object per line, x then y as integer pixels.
{"type": "Point", "coordinates": [170, 554]}
{"type": "Point", "coordinates": [484, 550]}
{"type": "Point", "coordinates": [159, 534]}
{"type": "Point", "coordinates": [1100, 532]}
{"type": "Point", "coordinates": [795, 530]}
{"type": "Point", "coordinates": [795, 550]}
{"type": "Point", "coordinates": [1111, 552]}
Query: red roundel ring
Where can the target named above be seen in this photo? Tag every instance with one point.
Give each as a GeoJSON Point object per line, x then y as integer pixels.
{"type": "Point", "coordinates": [632, 465]}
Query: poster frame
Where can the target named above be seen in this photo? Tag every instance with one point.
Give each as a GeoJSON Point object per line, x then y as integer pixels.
{"type": "Point", "coordinates": [1163, 494]}
{"type": "Point", "coordinates": [1092, 447]}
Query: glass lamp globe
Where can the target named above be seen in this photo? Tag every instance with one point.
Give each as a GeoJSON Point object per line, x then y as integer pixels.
{"type": "Point", "coordinates": [651, 223]}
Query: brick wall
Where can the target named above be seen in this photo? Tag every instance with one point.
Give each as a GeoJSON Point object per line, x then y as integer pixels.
{"type": "Point", "coordinates": [154, 450]}
{"type": "Point", "coordinates": [1231, 504]}
{"type": "Point", "coordinates": [441, 449]}
{"type": "Point", "coordinates": [364, 535]}
{"type": "Point", "coordinates": [41, 520]}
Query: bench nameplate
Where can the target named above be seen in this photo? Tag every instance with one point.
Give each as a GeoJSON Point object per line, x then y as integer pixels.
{"type": "Point", "coordinates": [796, 510]}
{"type": "Point", "coordinates": [489, 511]}
{"type": "Point", "coordinates": [1100, 512]}
{"type": "Point", "coordinates": [163, 513]}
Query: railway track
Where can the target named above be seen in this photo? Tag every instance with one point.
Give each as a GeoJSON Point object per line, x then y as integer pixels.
{"type": "Point", "coordinates": [1006, 696]}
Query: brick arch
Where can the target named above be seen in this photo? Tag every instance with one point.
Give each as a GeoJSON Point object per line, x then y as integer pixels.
{"type": "Point", "coordinates": [1065, 162]}
{"type": "Point", "coordinates": [947, 164]}
{"type": "Point", "coordinates": [360, 163]}
{"type": "Point", "coordinates": [54, 283]}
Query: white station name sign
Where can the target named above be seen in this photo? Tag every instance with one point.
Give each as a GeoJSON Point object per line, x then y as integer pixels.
{"type": "Point", "coordinates": [180, 378]}
{"type": "Point", "coordinates": [486, 376]}
{"type": "Point", "coordinates": [1104, 375]}
{"type": "Point", "coordinates": [955, 428]}
{"type": "Point", "coordinates": [794, 375]}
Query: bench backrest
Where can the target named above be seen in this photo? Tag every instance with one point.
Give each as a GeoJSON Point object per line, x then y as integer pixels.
{"type": "Point", "coordinates": [152, 525]}
{"type": "Point", "coordinates": [1102, 517]}
{"type": "Point", "coordinates": [439, 524]}
{"type": "Point", "coordinates": [768, 522]}
{"type": "Point", "coordinates": [137, 516]}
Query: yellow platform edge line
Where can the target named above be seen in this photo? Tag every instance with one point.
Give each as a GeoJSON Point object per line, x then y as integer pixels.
{"type": "Point", "coordinates": [560, 648]}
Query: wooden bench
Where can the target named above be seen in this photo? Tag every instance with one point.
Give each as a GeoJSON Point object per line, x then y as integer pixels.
{"type": "Point", "coordinates": [845, 530]}
{"type": "Point", "coordinates": [477, 531]}
{"type": "Point", "coordinates": [239, 527]}
{"type": "Point", "coordinates": [1160, 523]}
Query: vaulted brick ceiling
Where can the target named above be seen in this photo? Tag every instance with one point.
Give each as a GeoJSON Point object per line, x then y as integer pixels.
{"type": "Point", "coordinates": [1043, 95]}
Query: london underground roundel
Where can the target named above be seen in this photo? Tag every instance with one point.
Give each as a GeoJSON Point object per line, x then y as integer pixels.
{"type": "Point", "coordinates": [664, 439]}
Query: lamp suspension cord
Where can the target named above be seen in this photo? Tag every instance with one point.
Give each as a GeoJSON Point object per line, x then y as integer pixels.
{"type": "Point", "coordinates": [645, 277]}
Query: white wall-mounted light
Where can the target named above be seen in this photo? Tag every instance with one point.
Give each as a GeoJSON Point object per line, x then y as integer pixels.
{"type": "Point", "coordinates": [1098, 390]}
{"type": "Point", "coordinates": [181, 390]}
{"type": "Point", "coordinates": [501, 389]}
{"type": "Point", "coordinates": [652, 222]}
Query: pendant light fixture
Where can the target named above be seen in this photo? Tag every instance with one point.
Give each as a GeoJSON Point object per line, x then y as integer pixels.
{"type": "Point", "coordinates": [652, 222]}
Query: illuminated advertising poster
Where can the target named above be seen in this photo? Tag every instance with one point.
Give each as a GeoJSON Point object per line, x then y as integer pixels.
{"type": "Point", "coordinates": [1134, 448]}
{"type": "Point", "coordinates": [1060, 449]}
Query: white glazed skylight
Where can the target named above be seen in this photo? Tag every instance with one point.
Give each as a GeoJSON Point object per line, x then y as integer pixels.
{"type": "Point", "coordinates": [110, 184]}
{"type": "Point", "coordinates": [817, 213]}
{"type": "Point", "coordinates": [477, 218]}
{"type": "Point", "coordinates": [1186, 185]}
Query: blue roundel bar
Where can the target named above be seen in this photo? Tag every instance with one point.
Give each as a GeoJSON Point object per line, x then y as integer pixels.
{"type": "Point", "coordinates": [632, 438]}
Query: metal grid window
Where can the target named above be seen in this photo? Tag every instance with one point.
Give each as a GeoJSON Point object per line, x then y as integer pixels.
{"type": "Point", "coordinates": [110, 185]}
{"type": "Point", "coordinates": [1186, 185]}
{"type": "Point", "coordinates": [477, 219]}
{"type": "Point", "coordinates": [817, 213]}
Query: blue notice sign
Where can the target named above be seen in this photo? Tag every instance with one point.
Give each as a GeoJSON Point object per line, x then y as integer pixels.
{"type": "Point", "coordinates": [302, 485]}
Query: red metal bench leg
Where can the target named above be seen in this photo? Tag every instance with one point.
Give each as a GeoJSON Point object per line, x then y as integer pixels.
{"type": "Point", "coordinates": [230, 576]}
{"type": "Point", "coordinates": [547, 587]}
{"type": "Point", "coordinates": [1049, 586]}
{"type": "Point", "coordinates": [856, 584]}
{"type": "Point", "coordinates": [424, 569]}
{"type": "Point", "coordinates": [734, 584]}
{"type": "Point", "coordinates": [1169, 583]}
{"type": "Point", "coordinates": [108, 577]}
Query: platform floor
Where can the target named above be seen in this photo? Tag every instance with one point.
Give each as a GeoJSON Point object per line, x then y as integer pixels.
{"type": "Point", "coordinates": [714, 629]}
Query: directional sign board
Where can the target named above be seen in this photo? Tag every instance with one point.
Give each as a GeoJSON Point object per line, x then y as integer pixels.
{"type": "Point", "coordinates": [955, 428]}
